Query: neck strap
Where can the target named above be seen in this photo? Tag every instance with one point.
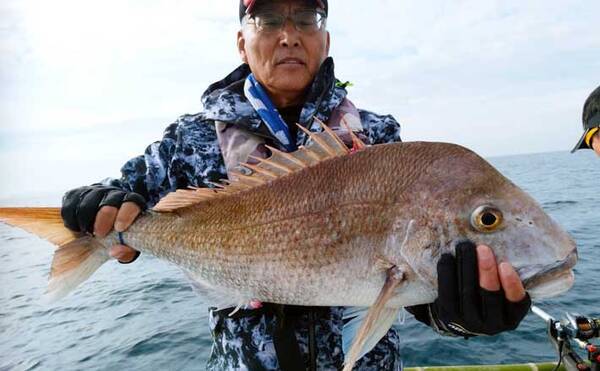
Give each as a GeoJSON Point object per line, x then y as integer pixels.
{"type": "Point", "coordinates": [258, 98]}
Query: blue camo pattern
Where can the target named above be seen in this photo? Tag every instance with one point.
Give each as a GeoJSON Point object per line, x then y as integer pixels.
{"type": "Point", "coordinates": [189, 155]}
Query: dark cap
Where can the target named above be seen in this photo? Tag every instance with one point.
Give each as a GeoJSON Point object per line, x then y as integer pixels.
{"type": "Point", "coordinates": [590, 117]}
{"type": "Point", "coordinates": [247, 5]}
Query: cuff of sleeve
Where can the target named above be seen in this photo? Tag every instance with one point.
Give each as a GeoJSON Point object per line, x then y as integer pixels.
{"type": "Point", "coordinates": [450, 329]}
{"type": "Point", "coordinates": [436, 325]}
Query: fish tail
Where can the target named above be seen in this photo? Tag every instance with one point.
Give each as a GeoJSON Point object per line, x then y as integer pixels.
{"type": "Point", "coordinates": [77, 256]}
{"type": "Point", "coordinates": [72, 264]}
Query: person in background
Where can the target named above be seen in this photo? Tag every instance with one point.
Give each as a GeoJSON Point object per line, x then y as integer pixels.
{"type": "Point", "coordinates": [591, 124]}
{"type": "Point", "coordinates": [287, 77]}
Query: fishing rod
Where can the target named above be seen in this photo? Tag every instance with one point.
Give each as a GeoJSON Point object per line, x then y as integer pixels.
{"type": "Point", "coordinates": [574, 329]}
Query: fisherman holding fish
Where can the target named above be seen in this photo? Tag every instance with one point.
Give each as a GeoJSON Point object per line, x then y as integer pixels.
{"type": "Point", "coordinates": [591, 124]}
{"type": "Point", "coordinates": [287, 77]}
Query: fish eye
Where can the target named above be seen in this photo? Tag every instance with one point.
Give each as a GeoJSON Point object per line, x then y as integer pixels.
{"type": "Point", "coordinates": [486, 218]}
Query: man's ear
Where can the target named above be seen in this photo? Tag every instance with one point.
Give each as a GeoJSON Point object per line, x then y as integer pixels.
{"type": "Point", "coordinates": [241, 44]}
{"type": "Point", "coordinates": [328, 44]}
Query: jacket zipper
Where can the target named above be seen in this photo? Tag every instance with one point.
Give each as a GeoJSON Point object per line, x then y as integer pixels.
{"type": "Point", "coordinates": [312, 347]}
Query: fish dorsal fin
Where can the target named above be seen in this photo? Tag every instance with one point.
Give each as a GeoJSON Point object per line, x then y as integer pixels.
{"type": "Point", "coordinates": [322, 146]}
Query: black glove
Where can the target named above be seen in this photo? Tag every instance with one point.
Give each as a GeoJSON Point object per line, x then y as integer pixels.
{"type": "Point", "coordinates": [80, 206]}
{"type": "Point", "coordinates": [463, 308]}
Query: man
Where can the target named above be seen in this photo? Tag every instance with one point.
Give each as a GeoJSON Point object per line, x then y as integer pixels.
{"type": "Point", "coordinates": [591, 124]}
{"type": "Point", "coordinates": [287, 77]}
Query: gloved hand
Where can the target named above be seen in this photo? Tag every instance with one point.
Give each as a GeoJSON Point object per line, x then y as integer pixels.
{"type": "Point", "coordinates": [463, 307]}
{"type": "Point", "coordinates": [95, 209]}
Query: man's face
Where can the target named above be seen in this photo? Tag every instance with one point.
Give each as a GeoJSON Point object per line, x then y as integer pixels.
{"type": "Point", "coordinates": [285, 61]}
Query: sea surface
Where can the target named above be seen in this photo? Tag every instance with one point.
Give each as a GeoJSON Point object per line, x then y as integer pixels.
{"type": "Point", "coordinates": [145, 316]}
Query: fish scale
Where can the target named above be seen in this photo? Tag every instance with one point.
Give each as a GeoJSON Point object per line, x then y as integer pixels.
{"type": "Point", "coordinates": [253, 242]}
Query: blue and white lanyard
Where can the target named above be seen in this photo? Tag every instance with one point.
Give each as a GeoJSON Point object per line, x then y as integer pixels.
{"type": "Point", "coordinates": [258, 98]}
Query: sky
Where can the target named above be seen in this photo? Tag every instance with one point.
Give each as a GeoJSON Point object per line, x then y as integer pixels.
{"type": "Point", "coordinates": [86, 85]}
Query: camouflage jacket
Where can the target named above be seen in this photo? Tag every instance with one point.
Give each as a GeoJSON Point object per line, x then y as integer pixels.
{"type": "Point", "coordinates": [199, 149]}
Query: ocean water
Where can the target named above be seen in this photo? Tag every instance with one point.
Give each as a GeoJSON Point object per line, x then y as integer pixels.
{"type": "Point", "coordinates": [145, 316]}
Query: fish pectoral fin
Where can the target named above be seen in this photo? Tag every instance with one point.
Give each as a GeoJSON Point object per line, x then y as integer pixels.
{"type": "Point", "coordinates": [374, 323]}
{"type": "Point", "coordinates": [387, 318]}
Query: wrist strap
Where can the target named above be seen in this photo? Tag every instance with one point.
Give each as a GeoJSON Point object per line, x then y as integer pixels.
{"type": "Point", "coordinates": [122, 242]}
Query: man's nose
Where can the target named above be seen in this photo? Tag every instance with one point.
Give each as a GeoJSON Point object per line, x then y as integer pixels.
{"type": "Point", "coordinates": [290, 36]}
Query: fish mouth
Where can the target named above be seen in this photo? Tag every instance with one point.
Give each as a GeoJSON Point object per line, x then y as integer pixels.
{"type": "Point", "coordinates": [551, 279]}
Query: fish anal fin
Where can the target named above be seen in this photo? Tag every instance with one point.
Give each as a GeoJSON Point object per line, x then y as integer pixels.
{"type": "Point", "coordinates": [322, 146]}
{"type": "Point", "coordinates": [44, 222]}
{"type": "Point", "coordinates": [378, 319]}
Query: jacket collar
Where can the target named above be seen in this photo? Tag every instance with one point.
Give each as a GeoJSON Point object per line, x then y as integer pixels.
{"type": "Point", "coordinates": [225, 101]}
